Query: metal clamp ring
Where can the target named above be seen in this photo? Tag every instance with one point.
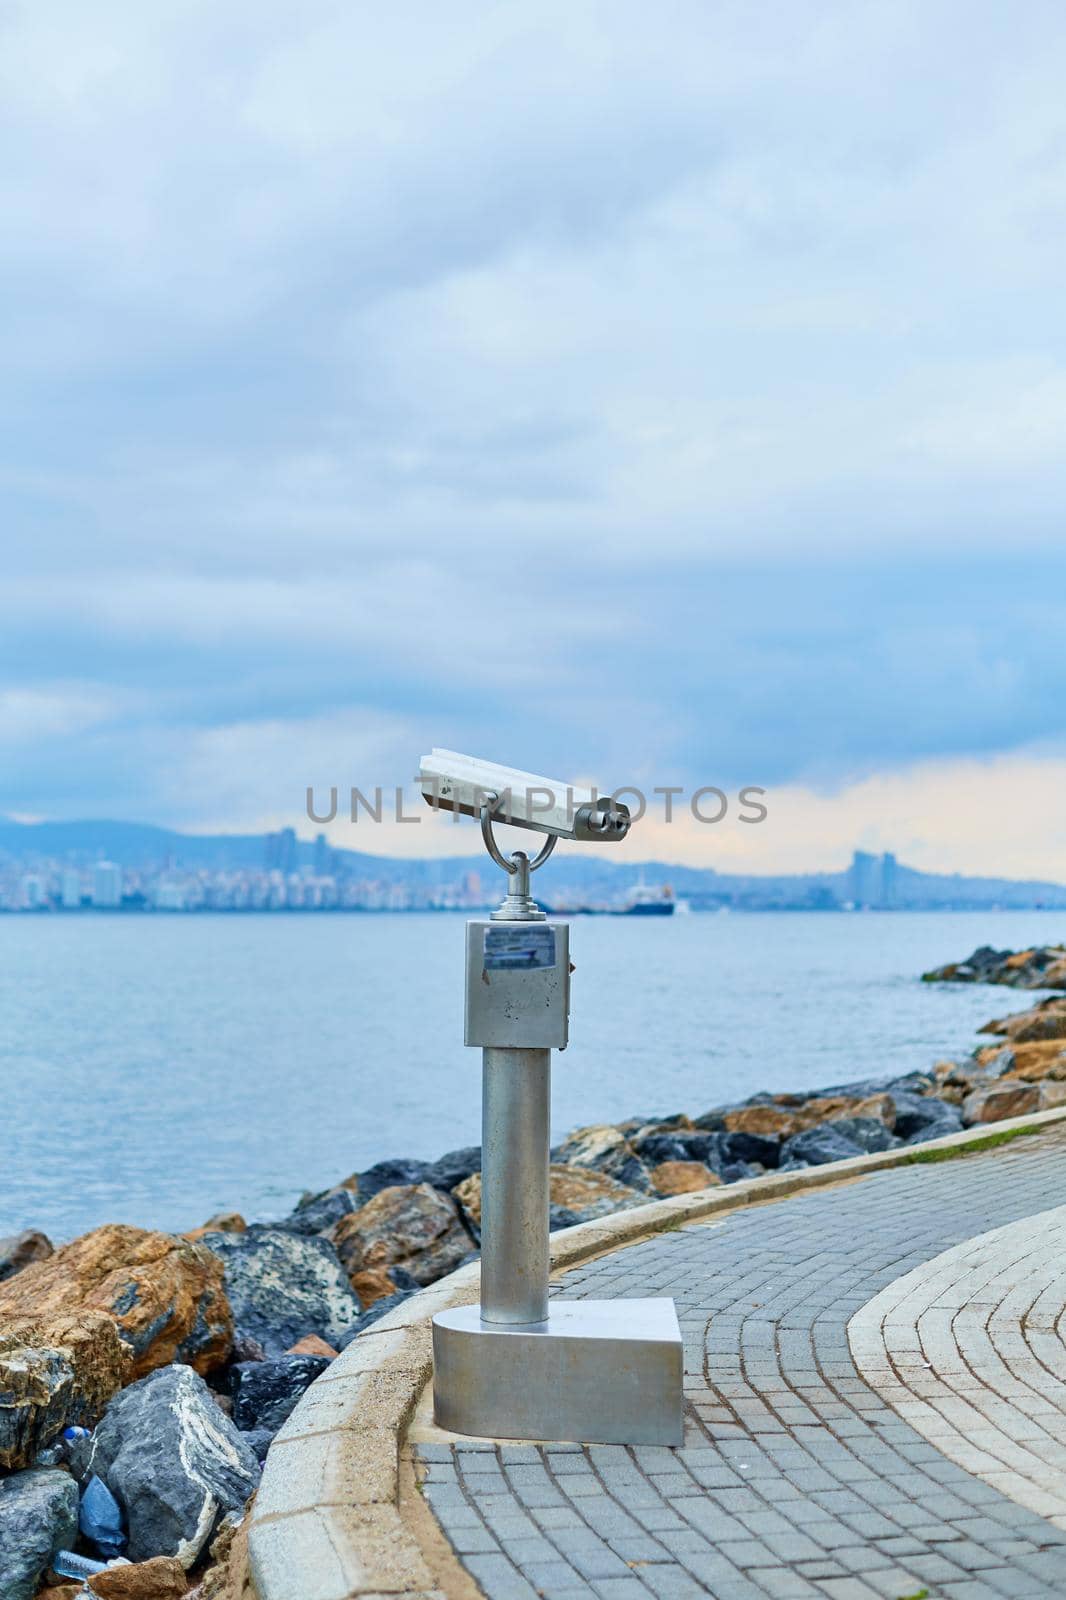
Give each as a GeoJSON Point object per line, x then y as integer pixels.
{"type": "Point", "coordinates": [509, 864]}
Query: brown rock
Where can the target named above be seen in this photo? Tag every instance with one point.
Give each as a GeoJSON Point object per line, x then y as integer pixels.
{"type": "Point", "coordinates": [61, 1591]}
{"type": "Point", "coordinates": [162, 1578]}
{"type": "Point", "coordinates": [999, 1101]}
{"type": "Point", "coordinates": [1052, 1093]}
{"type": "Point", "coordinates": [1044, 1021]}
{"type": "Point", "coordinates": [21, 1249]}
{"type": "Point", "coordinates": [1045, 1058]}
{"type": "Point", "coordinates": [760, 1119]}
{"type": "Point", "coordinates": [163, 1292]}
{"type": "Point", "coordinates": [312, 1345]}
{"type": "Point", "coordinates": [824, 1108]}
{"type": "Point", "coordinates": [592, 1146]}
{"type": "Point", "coordinates": [371, 1285]}
{"type": "Point", "coordinates": [418, 1227]}
{"type": "Point", "coordinates": [1020, 958]}
{"type": "Point", "coordinates": [55, 1370]}
{"type": "Point", "coordinates": [879, 1107]}
{"type": "Point", "coordinates": [683, 1177]}
{"type": "Point", "coordinates": [584, 1193]}
{"type": "Point", "coordinates": [221, 1222]}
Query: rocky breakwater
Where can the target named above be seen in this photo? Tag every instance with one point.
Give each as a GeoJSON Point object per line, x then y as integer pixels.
{"type": "Point", "coordinates": [1042, 967]}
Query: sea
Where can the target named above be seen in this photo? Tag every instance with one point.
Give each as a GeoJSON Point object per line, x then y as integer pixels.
{"type": "Point", "coordinates": [156, 1069]}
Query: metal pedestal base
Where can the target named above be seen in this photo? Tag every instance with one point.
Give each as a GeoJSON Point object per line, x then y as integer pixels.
{"type": "Point", "coordinates": [597, 1372]}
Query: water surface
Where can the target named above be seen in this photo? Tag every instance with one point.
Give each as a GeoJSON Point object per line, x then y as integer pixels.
{"type": "Point", "coordinates": [156, 1069]}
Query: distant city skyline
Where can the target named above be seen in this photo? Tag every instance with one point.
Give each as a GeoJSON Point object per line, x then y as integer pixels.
{"type": "Point", "coordinates": [65, 869]}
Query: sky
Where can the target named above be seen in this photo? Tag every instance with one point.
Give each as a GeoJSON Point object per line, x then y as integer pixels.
{"type": "Point", "coordinates": [656, 395]}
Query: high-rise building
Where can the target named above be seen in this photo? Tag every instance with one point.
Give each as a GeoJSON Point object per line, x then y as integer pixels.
{"type": "Point", "coordinates": [323, 856]}
{"type": "Point", "coordinates": [864, 884]}
{"type": "Point", "coordinates": [70, 889]}
{"type": "Point", "coordinates": [107, 884]}
{"type": "Point", "coordinates": [34, 892]}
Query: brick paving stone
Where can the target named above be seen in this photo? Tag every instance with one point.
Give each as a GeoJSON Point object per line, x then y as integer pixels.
{"type": "Point", "coordinates": [796, 1478]}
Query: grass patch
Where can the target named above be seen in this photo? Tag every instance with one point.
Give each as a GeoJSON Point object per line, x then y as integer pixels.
{"type": "Point", "coordinates": [989, 1142]}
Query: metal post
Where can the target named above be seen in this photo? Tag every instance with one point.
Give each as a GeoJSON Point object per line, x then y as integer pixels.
{"type": "Point", "coordinates": [516, 1096]}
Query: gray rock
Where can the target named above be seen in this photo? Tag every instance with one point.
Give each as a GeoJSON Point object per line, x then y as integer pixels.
{"type": "Point", "coordinates": [319, 1212]}
{"type": "Point", "coordinates": [815, 1146]}
{"type": "Point", "coordinates": [174, 1462]}
{"type": "Point", "coordinates": [282, 1286]}
{"type": "Point", "coordinates": [21, 1249]}
{"type": "Point", "coordinates": [38, 1518]}
{"type": "Point", "coordinates": [915, 1115]}
{"type": "Point", "coordinates": [265, 1392]}
{"type": "Point", "coordinates": [259, 1440]}
{"type": "Point", "coordinates": [748, 1147]}
{"type": "Point", "coordinates": [868, 1133]}
{"type": "Point", "coordinates": [389, 1174]}
{"type": "Point", "coordinates": [453, 1168]}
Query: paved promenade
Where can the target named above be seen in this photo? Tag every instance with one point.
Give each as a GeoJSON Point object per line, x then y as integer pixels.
{"type": "Point", "coordinates": [923, 1448]}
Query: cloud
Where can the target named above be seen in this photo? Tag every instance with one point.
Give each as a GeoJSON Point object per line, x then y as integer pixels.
{"type": "Point", "coordinates": [659, 392]}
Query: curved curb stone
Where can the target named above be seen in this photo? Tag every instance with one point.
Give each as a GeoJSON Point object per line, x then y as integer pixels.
{"type": "Point", "coordinates": [326, 1523]}
{"type": "Point", "coordinates": [967, 1348]}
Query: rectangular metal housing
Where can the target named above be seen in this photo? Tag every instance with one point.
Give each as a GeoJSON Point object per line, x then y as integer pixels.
{"type": "Point", "coordinates": [518, 985]}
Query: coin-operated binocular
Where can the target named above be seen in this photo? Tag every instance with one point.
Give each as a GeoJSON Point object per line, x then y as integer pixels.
{"type": "Point", "coordinates": [516, 1366]}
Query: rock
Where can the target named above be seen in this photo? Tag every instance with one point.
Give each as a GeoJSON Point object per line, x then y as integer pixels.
{"type": "Point", "coordinates": [21, 1250]}
{"type": "Point", "coordinates": [999, 1101]}
{"type": "Point", "coordinates": [320, 1212]}
{"type": "Point", "coordinates": [815, 1146]}
{"type": "Point", "coordinates": [1045, 1058]}
{"type": "Point", "coordinates": [418, 1227]}
{"type": "Point", "coordinates": [880, 1107]}
{"type": "Point", "coordinates": [312, 1346]}
{"type": "Point", "coordinates": [245, 1348]}
{"type": "Point", "coordinates": [682, 1177]}
{"type": "Point", "coordinates": [374, 1281]}
{"type": "Point", "coordinates": [738, 1172]}
{"type": "Point", "coordinates": [453, 1168]}
{"type": "Point", "coordinates": [712, 1121]}
{"type": "Point", "coordinates": [1040, 968]}
{"type": "Point", "coordinates": [38, 1518]}
{"type": "Point", "coordinates": [680, 1144]}
{"type": "Point", "coordinates": [761, 1119]}
{"type": "Point", "coordinates": [576, 1195]}
{"type": "Point", "coordinates": [916, 1117]}
{"type": "Point", "coordinates": [1044, 1021]}
{"type": "Point", "coordinates": [161, 1578]}
{"type": "Point", "coordinates": [221, 1222]}
{"type": "Point", "coordinates": [55, 1371]}
{"type": "Point", "coordinates": [62, 1591]}
{"type": "Point", "coordinates": [283, 1286]}
{"type": "Point", "coordinates": [259, 1441]}
{"type": "Point", "coordinates": [868, 1133]}
{"type": "Point", "coordinates": [163, 1292]}
{"type": "Point", "coordinates": [265, 1392]}
{"type": "Point", "coordinates": [604, 1148]}
{"type": "Point", "coordinates": [937, 1129]}
{"type": "Point", "coordinates": [399, 1172]}
{"type": "Point", "coordinates": [174, 1462]}
{"type": "Point", "coordinates": [748, 1148]}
